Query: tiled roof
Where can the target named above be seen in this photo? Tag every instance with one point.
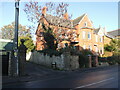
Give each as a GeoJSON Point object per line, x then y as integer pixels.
{"type": "Point", "coordinates": [77, 20]}
{"type": "Point", "coordinates": [109, 35]}
{"type": "Point", "coordinates": [114, 33]}
{"type": "Point", "coordinates": [96, 30]}
{"type": "Point", "coordinates": [63, 22]}
{"type": "Point", "coordinates": [59, 21]}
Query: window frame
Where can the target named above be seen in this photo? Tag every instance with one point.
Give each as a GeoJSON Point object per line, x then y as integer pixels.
{"type": "Point", "coordinates": [89, 35]}
{"type": "Point", "coordinates": [83, 34]}
{"type": "Point", "coordinates": [85, 24]}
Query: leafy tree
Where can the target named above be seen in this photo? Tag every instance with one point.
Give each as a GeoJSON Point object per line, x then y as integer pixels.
{"type": "Point", "coordinates": [49, 37]}
{"type": "Point", "coordinates": [28, 42]}
{"type": "Point", "coordinates": [8, 31]}
{"type": "Point", "coordinates": [34, 10]}
{"type": "Point", "coordinates": [23, 33]}
{"type": "Point", "coordinates": [113, 46]}
{"type": "Point", "coordinates": [108, 48]}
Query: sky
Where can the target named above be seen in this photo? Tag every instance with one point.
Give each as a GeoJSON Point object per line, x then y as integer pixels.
{"type": "Point", "coordinates": [104, 14]}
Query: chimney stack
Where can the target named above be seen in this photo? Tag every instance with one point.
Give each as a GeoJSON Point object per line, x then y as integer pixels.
{"type": "Point", "coordinates": [66, 16]}
{"type": "Point", "coordinates": [44, 10]}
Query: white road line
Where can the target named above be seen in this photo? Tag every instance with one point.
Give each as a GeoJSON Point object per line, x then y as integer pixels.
{"type": "Point", "coordinates": [94, 83]}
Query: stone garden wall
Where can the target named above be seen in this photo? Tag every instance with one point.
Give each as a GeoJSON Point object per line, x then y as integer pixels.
{"type": "Point", "coordinates": [63, 62]}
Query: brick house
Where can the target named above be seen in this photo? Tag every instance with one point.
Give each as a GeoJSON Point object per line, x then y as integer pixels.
{"type": "Point", "coordinates": [79, 31]}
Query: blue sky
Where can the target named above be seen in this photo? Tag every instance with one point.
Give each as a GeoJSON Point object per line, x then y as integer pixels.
{"type": "Point", "coordinates": [101, 13]}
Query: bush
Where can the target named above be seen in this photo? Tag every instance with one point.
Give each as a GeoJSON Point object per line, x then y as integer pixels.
{"type": "Point", "coordinates": [83, 61]}
{"type": "Point", "coordinates": [86, 52]}
{"type": "Point", "coordinates": [50, 52]}
{"type": "Point", "coordinates": [110, 60]}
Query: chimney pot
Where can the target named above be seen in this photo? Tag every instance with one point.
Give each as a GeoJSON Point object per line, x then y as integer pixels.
{"type": "Point", "coordinates": [44, 10]}
{"type": "Point", "coordinates": [66, 16]}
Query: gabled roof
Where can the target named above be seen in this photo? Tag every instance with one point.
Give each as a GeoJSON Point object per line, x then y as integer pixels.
{"type": "Point", "coordinates": [57, 21]}
{"type": "Point", "coordinates": [96, 30]}
{"type": "Point", "coordinates": [77, 20]}
{"type": "Point", "coordinates": [114, 33]}
{"type": "Point", "coordinates": [54, 20]}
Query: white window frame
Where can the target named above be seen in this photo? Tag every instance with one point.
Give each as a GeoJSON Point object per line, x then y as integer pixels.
{"type": "Point", "coordinates": [83, 34]}
{"type": "Point", "coordinates": [96, 38]}
{"type": "Point", "coordinates": [101, 39]}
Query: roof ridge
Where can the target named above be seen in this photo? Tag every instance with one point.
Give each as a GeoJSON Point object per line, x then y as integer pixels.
{"type": "Point", "coordinates": [58, 17]}
{"type": "Point", "coordinates": [78, 19]}
{"type": "Point", "coordinates": [80, 16]}
{"type": "Point", "coordinates": [113, 30]}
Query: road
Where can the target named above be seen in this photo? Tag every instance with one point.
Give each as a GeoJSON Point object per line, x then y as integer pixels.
{"type": "Point", "coordinates": [99, 78]}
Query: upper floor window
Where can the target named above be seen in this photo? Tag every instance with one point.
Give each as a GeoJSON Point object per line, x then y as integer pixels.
{"type": "Point", "coordinates": [96, 38]}
{"type": "Point", "coordinates": [101, 39]}
{"type": "Point", "coordinates": [83, 33]}
{"type": "Point", "coordinates": [89, 35]}
{"type": "Point", "coordinates": [85, 24]}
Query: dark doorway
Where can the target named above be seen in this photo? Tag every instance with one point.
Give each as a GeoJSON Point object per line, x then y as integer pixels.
{"type": "Point", "coordinates": [5, 62]}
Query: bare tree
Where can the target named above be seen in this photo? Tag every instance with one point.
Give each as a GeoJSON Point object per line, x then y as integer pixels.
{"type": "Point", "coordinates": [34, 10]}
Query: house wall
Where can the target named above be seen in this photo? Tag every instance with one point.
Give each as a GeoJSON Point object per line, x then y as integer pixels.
{"type": "Point", "coordinates": [40, 42]}
{"type": "Point", "coordinates": [79, 32]}
{"type": "Point", "coordinates": [85, 42]}
{"type": "Point", "coordinates": [106, 40]}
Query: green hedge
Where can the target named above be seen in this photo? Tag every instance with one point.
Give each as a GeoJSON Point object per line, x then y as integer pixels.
{"type": "Point", "coordinates": [50, 52]}
{"type": "Point", "coordinates": [111, 60]}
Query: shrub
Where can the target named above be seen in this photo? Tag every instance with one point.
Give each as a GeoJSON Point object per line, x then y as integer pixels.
{"type": "Point", "coordinates": [50, 52]}
{"type": "Point", "coordinates": [83, 61]}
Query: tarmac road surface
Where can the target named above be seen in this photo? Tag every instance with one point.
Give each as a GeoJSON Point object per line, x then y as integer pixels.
{"type": "Point", "coordinates": [101, 78]}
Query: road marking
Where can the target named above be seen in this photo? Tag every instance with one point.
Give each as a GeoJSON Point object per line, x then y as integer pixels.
{"type": "Point", "coordinates": [94, 83]}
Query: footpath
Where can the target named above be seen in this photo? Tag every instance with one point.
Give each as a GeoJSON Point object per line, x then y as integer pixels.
{"type": "Point", "coordinates": [37, 72]}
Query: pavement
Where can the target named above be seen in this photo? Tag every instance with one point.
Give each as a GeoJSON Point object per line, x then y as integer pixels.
{"type": "Point", "coordinates": [32, 72]}
{"type": "Point", "coordinates": [37, 72]}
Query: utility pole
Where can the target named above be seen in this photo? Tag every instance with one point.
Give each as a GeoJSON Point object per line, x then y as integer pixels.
{"type": "Point", "coordinates": [15, 42]}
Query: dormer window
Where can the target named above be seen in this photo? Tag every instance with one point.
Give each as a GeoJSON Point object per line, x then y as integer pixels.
{"type": "Point", "coordinates": [85, 24]}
